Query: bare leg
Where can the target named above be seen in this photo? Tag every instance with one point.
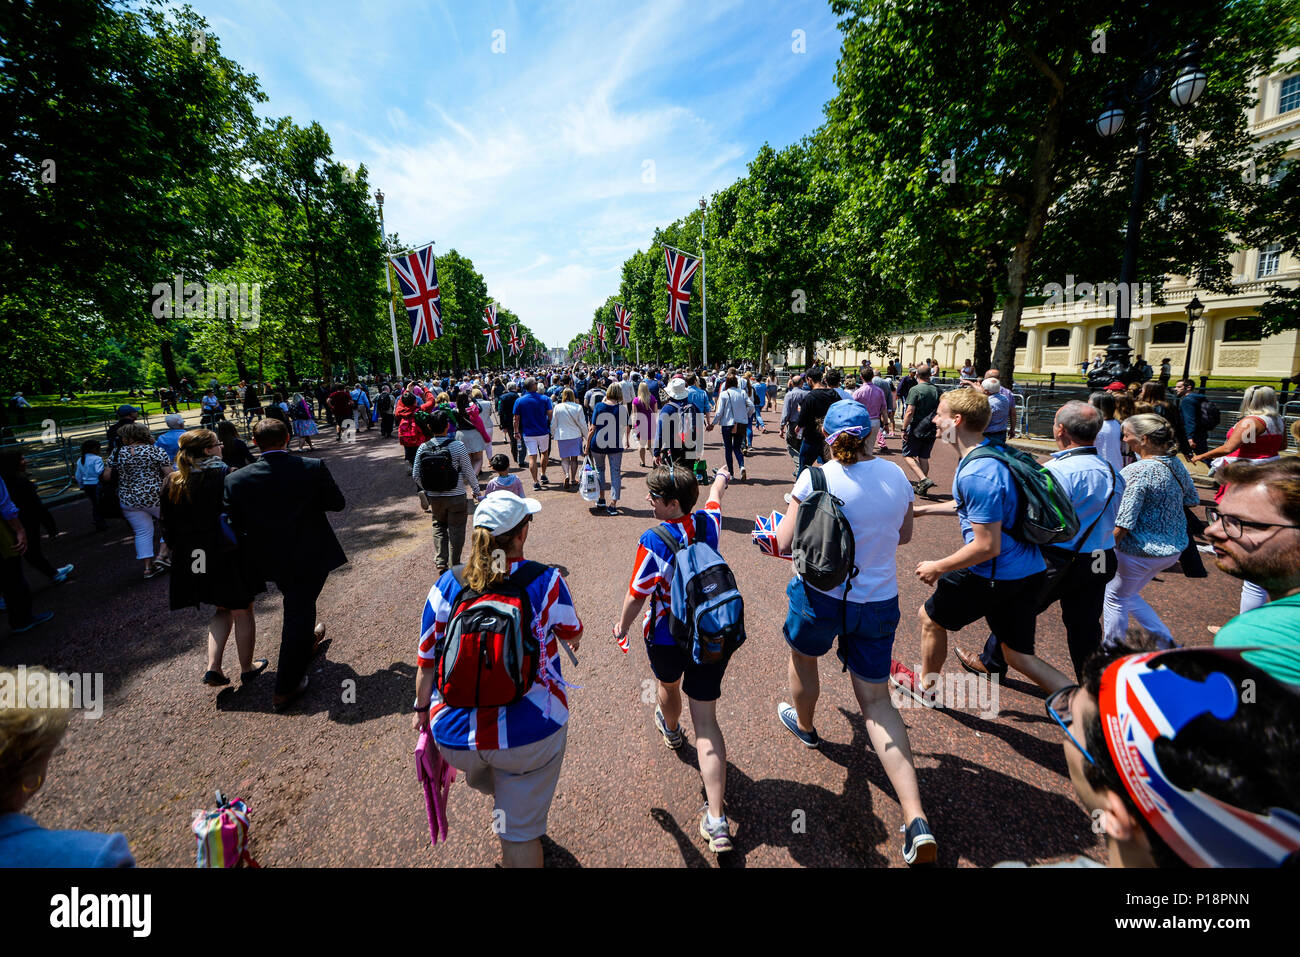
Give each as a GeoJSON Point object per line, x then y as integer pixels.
{"type": "Point", "coordinates": [913, 466]}
{"type": "Point", "coordinates": [805, 687]}
{"type": "Point", "coordinates": [712, 752]}
{"type": "Point", "coordinates": [888, 736]}
{"type": "Point", "coordinates": [670, 704]}
{"type": "Point", "coordinates": [1037, 670]}
{"type": "Point", "coordinates": [218, 632]}
{"type": "Point", "coordinates": [934, 648]}
{"type": "Point", "coordinates": [245, 635]}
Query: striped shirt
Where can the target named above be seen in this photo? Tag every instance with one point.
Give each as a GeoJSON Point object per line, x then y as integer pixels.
{"type": "Point", "coordinates": [653, 573]}
{"type": "Point", "coordinates": [459, 458]}
{"type": "Point", "coordinates": [543, 710]}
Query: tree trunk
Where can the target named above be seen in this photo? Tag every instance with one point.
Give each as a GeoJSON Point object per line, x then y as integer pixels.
{"type": "Point", "coordinates": [169, 363]}
{"type": "Point", "coordinates": [352, 370]}
{"type": "Point", "coordinates": [1018, 266]}
{"type": "Point", "coordinates": [808, 352]}
{"type": "Point", "coordinates": [290, 371]}
{"type": "Point", "coordinates": [984, 306]}
{"type": "Point", "coordinates": [762, 355]}
{"type": "Point", "coordinates": [241, 368]}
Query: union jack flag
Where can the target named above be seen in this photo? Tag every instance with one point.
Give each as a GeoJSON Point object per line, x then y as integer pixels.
{"type": "Point", "coordinates": [681, 273]}
{"type": "Point", "coordinates": [492, 332]}
{"type": "Point", "coordinates": [764, 534]}
{"type": "Point", "coordinates": [600, 331]}
{"type": "Point", "coordinates": [417, 275]}
{"type": "Point", "coordinates": [622, 325]}
{"type": "Point", "coordinates": [516, 344]}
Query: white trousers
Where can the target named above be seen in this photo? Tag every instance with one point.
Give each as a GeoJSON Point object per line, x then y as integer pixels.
{"type": "Point", "coordinates": [141, 521]}
{"type": "Point", "coordinates": [1123, 597]}
{"type": "Point", "coordinates": [1252, 596]}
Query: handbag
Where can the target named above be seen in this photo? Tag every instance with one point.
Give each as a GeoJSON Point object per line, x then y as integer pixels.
{"type": "Point", "coordinates": [1189, 560]}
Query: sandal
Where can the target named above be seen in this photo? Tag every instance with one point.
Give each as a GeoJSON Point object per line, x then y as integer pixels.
{"type": "Point", "coordinates": [154, 572]}
{"type": "Point", "coordinates": [164, 562]}
{"type": "Point", "coordinates": [259, 665]}
{"type": "Point", "coordinates": [215, 678]}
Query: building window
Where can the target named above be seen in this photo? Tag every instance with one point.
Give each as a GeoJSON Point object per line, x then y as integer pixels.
{"type": "Point", "coordinates": [1290, 95]}
{"type": "Point", "coordinates": [1169, 333]}
{"type": "Point", "coordinates": [1270, 259]}
{"type": "Point", "coordinates": [1102, 336]}
{"type": "Point", "coordinates": [1245, 329]}
{"type": "Point", "coordinates": [1057, 338]}
{"type": "Point", "coordinates": [1022, 339]}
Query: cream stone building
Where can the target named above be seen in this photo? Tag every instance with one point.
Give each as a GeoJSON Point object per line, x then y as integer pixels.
{"type": "Point", "coordinates": [1073, 325]}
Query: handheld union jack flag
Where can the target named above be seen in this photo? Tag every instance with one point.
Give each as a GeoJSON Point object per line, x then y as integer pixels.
{"type": "Point", "coordinates": [417, 275]}
{"type": "Point", "coordinates": [764, 534]}
{"type": "Point", "coordinates": [492, 332]}
{"type": "Point", "coordinates": [681, 273]}
{"type": "Point", "coordinates": [516, 344]}
{"type": "Point", "coordinates": [622, 325]}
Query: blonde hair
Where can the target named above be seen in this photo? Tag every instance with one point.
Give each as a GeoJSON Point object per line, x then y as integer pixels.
{"type": "Point", "coordinates": [28, 735]}
{"type": "Point", "coordinates": [614, 393]}
{"type": "Point", "coordinates": [1259, 400]}
{"type": "Point", "coordinates": [1125, 407]}
{"type": "Point", "coordinates": [133, 433]}
{"type": "Point", "coordinates": [481, 570]}
{"type": "Point", "coordinates": [971, 404]}
{"type": "Point", "coordinates": [566, 395]}
{"type": "Point", "coordinates": [476, 394]}
{"type": "Point", "coordinates": [193, 450]}
{"type": "Point", "coordinates": [1154, 428]}
{"type": "Point", "coordinates": [643, 393]}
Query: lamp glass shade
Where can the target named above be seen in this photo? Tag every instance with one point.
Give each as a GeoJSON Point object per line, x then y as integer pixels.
{"type": "Point", "coordinates": [1110, 122]}
{"type": "Point", "coordinates": [1188, 86]}
{"type": "Point", "coordinates": [1194, 309]}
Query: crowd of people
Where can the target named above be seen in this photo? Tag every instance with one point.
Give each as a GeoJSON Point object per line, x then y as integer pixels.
{"type": "Point", "coordinates": [490, 691]}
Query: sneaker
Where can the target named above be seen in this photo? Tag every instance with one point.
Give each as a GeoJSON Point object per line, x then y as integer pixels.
{"type": "Point", "coordinates": [672, 739]}
{"type": "Point", "coordinates": [790, 718]}
{"type": "Point", "coordinates": [919, 846]}
{"type": "Point", "coordinates": [537, 487]}
{"type": "Point", "coordinates": [718, 835]}
{"type": "Point", "coordinates": [743, 476]}
{"type": "Point", "coordinates": [612, 510]}
{"type": "Point", "coordinates": [905, 680]}
{"type": "Point", "coordinates": [925, 485]}
{"type": "Point", "coordinates": [40, 619]}
{"type": "Point", "coordinates": [61, 575]}
{"type": "Point", "coordinates": [2, 605]}
{"type": "Point", "coordinates": [545, 480]}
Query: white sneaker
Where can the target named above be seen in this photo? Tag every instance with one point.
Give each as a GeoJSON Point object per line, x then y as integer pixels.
{"type": "Point", "coordinates": [742, 473]}
{"type": "Point", "coordinates": [61, 574]}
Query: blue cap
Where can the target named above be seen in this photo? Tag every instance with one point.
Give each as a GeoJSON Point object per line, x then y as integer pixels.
{"type": "Point", "coordinates": [845, 415]}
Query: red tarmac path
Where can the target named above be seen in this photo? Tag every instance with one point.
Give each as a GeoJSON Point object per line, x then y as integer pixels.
{"type": "Point", "coordinates": [333, 783]}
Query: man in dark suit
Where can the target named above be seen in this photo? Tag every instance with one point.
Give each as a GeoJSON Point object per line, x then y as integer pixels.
{"type": "Point", "coordinates": [277, 506]}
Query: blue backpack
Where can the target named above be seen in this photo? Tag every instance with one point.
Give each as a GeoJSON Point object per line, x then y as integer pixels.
{"type": "Point", "coordinates": [707, 615]}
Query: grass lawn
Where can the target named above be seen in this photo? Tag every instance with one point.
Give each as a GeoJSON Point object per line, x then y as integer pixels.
{"type": "Point", "coordinates": [95, 405]}
{"type": "Point", "coordinates": [1235, 383]}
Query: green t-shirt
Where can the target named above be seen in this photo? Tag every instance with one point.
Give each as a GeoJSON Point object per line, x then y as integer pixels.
{"type": "Point", "coordinates": [1274, 628]}
{"type": "Point", "coordinates": [924, 398]}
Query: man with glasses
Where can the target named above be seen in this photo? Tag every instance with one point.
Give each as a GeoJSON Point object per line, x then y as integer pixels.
{"type": "Point", "coordinates": [1255, 532]}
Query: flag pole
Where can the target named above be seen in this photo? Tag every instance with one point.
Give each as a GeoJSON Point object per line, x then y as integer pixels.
{"type": "Point", "coordinates": [704, 300]}
{"type": "Point", "coordinates": [388, 278]}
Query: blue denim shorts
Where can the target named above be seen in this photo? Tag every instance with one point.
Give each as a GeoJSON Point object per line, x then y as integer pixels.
{"type": "Point", "coordinates": [865, 629]}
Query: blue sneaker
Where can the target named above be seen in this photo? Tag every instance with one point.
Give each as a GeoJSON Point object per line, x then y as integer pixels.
{"type": "Point", "coordinates": [40, 619]}
{"type": "Point", "coordinates": [790, 718]}
{"type": "Point", "coordinates": [919, 846]}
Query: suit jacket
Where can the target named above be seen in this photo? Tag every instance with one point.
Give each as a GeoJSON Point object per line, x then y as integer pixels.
{"type": "Point", "coordinates": [277, 507]}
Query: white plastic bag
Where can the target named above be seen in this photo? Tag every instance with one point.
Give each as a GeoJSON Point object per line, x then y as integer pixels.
{"type": "Point", "coordinates": [588, 486]}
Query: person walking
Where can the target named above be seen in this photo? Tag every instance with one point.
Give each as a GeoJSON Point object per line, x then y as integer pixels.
{"type": "Point", "coordinates": [384, 406]}
{"type": "Point", "coordinates": [304, 423]}
{"type": "Point", "coordinates": [471, 430]}
{"type": "Point", "coordinates": [234, 450]}
{"type": "Point", "coordinates": [409, 434]}
{"type": "Point", "coordinates": [672, 492]}
{"type": "Point", "coordinates": [732, 417]}
{"type": "Point", "coordinates": [876, 500]}
{"type": "Point", "coordinates": [364, 408]}
{"type": "Point", "coordinates": [506, 416]}
{"type": "Point", "coordinates": [644, 409]}
{"type": "Point", "coordinates": [532, 412]}
{"type": "Point", "coordinates": [277, 508]}
{"type": "Point", "coordinates": [1150, 528]}
{"type": "Point", "coordinates": [918, 428]}
{"type": "Point", "coordinates": [441, 465]}
{"type": "Point", "coordinates": [210, 572]}
{"type": "Point", "coordinates": [90, 468]}
{"type": "Point", "coordinates": [343, 406]}
{"type": "Point", "coordinates": [512, 753]}
{"type": "Point", "coordinates": [1079, 569]}
{"type": "Point", "coordinates": [568, 429]}
{"type": "Point", "coordinates": [139, 467]}
{"type": "Point", "coordinates": [33, 514]}
{"type": "Point", "coordinates": [169, 441]}
{"type": "Point", "coordinates": [605, 446]}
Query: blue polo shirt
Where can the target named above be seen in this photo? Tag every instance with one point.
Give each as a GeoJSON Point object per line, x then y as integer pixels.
{"type": "Point", "coordinates": [1088, 480]}
{"type": "Point", "coordinates": [986, 493]}
{"type": "Point", "coordinates": [699, 398]}
{"type": "Point", "coordinates": [531, 407]}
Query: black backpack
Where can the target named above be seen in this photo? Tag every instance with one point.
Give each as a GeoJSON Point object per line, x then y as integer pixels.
{"type": "Point", "coordinates": [1045, 514]}
{"type": "Point", "coordinates": [438, 472]}
{"type": "Point", "coordinates": [384, 403]}
{"type": "Point", "coordinates": [1207, 415]}
{"type": "Point", "coordinates": [823, 546]}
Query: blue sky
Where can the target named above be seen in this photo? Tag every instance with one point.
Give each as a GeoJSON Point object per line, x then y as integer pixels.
{"type": "Point", "coordinates": [534, 161]}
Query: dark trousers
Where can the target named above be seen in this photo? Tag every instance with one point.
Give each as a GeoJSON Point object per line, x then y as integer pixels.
{"type": "Point", "coordinates": [35, 557]}
{"type": "Point", "coordinates": [1081, 588]}
{"type": "Point", "coordinates": [297, 635]}
{"type": "Point", "coordinates": [96, 512]}
{"type": "Point", "coordinates": [516, 446]}
{"type": "Point", "coordinates": [811, 453]}
{"type": "Point", "coordinates": [17, 595]}
{"type": "Point", "coordinates": [732, 444]}
{"type": "Point", "coordinates": [386, 420]}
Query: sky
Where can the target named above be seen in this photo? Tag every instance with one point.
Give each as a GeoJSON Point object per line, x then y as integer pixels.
{"type": "Point", "coordinates": [544, 140]}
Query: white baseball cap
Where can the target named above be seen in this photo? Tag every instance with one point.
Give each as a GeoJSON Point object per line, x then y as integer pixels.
{"type": "Point", "coordinates": [501, 511]}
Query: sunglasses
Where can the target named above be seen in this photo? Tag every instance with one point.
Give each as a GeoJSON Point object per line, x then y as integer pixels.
{"type": "Point", "coordinates": [1059, 708]}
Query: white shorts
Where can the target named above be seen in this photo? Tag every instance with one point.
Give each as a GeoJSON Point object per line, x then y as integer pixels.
{"type": "Point", "coordinates": [537, 444]}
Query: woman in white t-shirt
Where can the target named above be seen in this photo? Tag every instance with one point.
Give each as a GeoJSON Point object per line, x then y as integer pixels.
{"type": "Point", "coordinates": [877, 504]}
{"type": "Point", "coordinates": [568, 428]}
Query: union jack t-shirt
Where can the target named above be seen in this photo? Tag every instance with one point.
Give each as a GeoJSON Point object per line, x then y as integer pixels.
{"type": "Point", "coordinates": [543, 710]}
{"type": "Point", "coordinates": [653, 572]}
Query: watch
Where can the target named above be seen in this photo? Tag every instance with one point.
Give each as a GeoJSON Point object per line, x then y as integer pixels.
{"type": "Point", "coordinates": [416, 706]}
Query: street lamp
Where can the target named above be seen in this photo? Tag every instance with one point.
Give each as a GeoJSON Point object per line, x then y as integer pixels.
{"type": "Point", "coordinates": [1188, 85]}
{"type": "Point", "coordinates": [1194, 310]}
{"type": "Point", "coordinates": [388, 278]}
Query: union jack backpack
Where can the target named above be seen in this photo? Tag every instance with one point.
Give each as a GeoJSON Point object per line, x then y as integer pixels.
{"type": "Point", "coordinates": [489, 656]}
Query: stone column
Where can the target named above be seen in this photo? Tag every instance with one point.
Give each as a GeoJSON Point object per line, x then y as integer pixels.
{"type": "Point", "coordinates": [1033, 349]}
{"type": "Point", "coordinates": [1203, 345]}
{"type": "Point", "coordinates": [1077, 344]}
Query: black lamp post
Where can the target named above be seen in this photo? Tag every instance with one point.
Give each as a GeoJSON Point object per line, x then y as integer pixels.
{"type": "Point", "coordinates": [1194, 310]}
{"type": "Point", "coordinates": [1189, 83]}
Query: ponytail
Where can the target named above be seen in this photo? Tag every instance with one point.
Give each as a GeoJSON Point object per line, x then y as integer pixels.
{"type": "Point", "coordinates": [481, 570]}
{"type": "Point", "coordinates": [192, 451]}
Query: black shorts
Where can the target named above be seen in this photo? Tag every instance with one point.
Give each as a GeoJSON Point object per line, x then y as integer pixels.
{"type": "Point", "coordinates": [915, 448]}
{"type": "Point", "coordinates": [1009, 606]}
{"type": "Point", "coordinates": [702, 682]}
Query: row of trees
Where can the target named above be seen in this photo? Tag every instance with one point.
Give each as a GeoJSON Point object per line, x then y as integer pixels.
{"type": "Point", "coordinates": [958, 171]}
{"type": "Point", "coordinates": [133, 165]}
